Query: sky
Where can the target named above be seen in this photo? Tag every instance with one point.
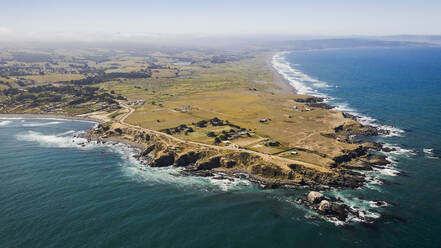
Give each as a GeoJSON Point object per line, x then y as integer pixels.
{"type": "Point", "coordinates": [95, 19]}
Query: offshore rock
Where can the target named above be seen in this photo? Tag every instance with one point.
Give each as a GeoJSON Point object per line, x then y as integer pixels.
{"type": "Point", "coordinates": [315, 197]}
{"type": "Point", "coordinates": [378, 160]}
{"type": "Point", "coordinates": [324, 206]}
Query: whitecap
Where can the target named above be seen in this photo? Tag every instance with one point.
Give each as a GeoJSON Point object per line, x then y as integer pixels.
{"type": "Point", "coordinates": [321, 85]}
{"type": "Point", "coordinates": [135, 168]}
{"type": "Point", "coordinates": [399, 151]}
{"type": "Point", "coordinates": [294, 77]}
{"type": "Point", "coordinates": [387, 171]}
{"type": "Point", "coordinates": [38, 124]}
{"type": "Point", "coordinates": [52, 140]}
{"type": "Point", "coordinates": [430, 153]}
{"type": "Point", "coordinates": [67, 133]}
{"type": "Point", "coordinates": [364, 208]}
{"type": "Point", "coordinates": [5, 123]}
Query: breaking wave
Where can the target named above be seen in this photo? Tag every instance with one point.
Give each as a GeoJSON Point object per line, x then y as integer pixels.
{"type": "Point", "coordinates": [135, 168]}
{"type": "Point", "coordinates": [5, 123]}
{"type": "Point", "coordinates": [429, 152]}
{"type": "Point", "coordinates": [52, 140]}
{"type": "Point", "coordinates": [40, 124]}
{"type": "Point", "coordinates": [296, 78]}
{"type": "Point", "coordinates": [399, 151]}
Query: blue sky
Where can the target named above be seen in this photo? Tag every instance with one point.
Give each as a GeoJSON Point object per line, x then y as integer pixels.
{"type": "Point", "coordinates": [314, 17]}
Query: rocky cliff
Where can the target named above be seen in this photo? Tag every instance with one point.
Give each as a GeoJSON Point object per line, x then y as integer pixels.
{"type": "Point", "coordinates": [160, 150]}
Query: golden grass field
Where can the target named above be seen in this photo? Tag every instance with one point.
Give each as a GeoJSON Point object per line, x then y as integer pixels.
{"type": "Point", "coordinates": [52, 78]}
{"type": "Point", "coordinates": [223, 91]}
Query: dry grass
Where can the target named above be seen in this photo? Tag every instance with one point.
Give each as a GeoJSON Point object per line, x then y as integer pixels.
{"type": "Point", "coordinates": [52, 78]}
{"type": "Point", "coordinates": [224, 93]}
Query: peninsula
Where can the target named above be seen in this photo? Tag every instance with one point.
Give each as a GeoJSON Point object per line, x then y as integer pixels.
{"type": "Point", "coordinates": [207, 113]}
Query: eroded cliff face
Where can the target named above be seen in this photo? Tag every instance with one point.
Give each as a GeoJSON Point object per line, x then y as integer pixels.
{"type": "Point", "coordinates": [160, 150]}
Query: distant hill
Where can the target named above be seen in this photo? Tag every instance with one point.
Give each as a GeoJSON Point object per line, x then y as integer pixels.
{"type": "Point", "coordinates": [345, 43]}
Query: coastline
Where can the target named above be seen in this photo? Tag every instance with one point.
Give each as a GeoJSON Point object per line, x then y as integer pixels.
{"type": "Point", "coordinates": [278, 79]}
{"type": "Point", "coordinates": [213, 162]}
{"type": "Point", "coordinates": [49, 117]}
{"type": "Point", "coordinates": [74, 118]}
{"type": "Point", "coordinates": [303, 89]}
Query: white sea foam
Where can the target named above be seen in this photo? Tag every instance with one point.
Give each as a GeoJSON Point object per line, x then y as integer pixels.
{"type": "Point", "coordinates": [297, 79]}
{"type": "Point", "coordinates": [399, 151]}
{"type": "Point", "coordinates": [39, 124]}
{"type": "Point", "coordinates": [174, 176]}
{"type": "Point", "coordinates": [367, 120]}
{"type": "Point", "coordinates": [321, 85]}
{"type": "Point", "coordinates": [430, 153]}
{"type": "Point", "coordinates": [51, 140]}
{"type": "Point", "coordinates": [5, 123]}
{"type": "Point", "coordinates": [387, 171]}
{"type": "Point", "coordinates": [364, 208]}
{"type": "Point", "coordinates": [67, 133]}
{"type": "Point", "coordinates": [135, 168]}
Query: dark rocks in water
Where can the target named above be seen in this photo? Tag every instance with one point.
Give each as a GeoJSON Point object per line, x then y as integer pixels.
{"type": "Point", "coordinates": [272, 185]}
{"type": "Point", "coordinates": [378, 159]}
{"type": "Point", "coordinates": [388, 149]}
{"type": "Point", "coordinates": [340, 211]}
{"type": "Point", "coordinates": [348, 181]}
{"type": "Point", "coordinates": [350, 154]}
{"type": "Point", "coordinates": [324, 206]}
{"type": "Point", "coordinates": [381, 204]}
{"type": "Point", "coordinates": [358, 130]}
{"type": "Point", "coordinates": [164, 160]}
{"type": "Point", "coordinates": [315, 197]}
{"type": "Point", "coordinates": [349, 116]}
{"type": "Point", "coordinates": [201, 173]}
{"type": "Point", "coordinates": [373, 145]}
{"type": "Point", "coordinates": [367, 131]}
{"type": "Point", "coordinates": [334, 208]}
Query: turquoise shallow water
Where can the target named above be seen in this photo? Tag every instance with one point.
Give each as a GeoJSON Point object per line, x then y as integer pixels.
{"type": "Point", "coordinates": [56, 193]}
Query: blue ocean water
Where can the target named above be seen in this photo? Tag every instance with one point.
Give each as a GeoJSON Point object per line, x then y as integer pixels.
{"type": "Point", "coordinates": [57, 192]}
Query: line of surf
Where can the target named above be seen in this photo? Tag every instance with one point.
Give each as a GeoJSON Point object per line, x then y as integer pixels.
{"type": "Point", "coordinates": [307, 85]}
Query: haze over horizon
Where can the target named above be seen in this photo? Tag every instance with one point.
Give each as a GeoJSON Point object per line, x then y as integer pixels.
{"type": "Point", "coordinates": [107, 20]}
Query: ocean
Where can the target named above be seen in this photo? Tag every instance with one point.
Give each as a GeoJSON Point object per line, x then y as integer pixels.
{"type": "Point", "coordinates": [56, 190]}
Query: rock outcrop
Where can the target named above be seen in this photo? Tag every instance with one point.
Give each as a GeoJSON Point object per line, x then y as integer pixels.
{"type": "Point", "coordinates": [324, 206]}
{"type": "Point", "coordinates": [315, 197]}
{"type": "Point", "coordinates": [161, 150]}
